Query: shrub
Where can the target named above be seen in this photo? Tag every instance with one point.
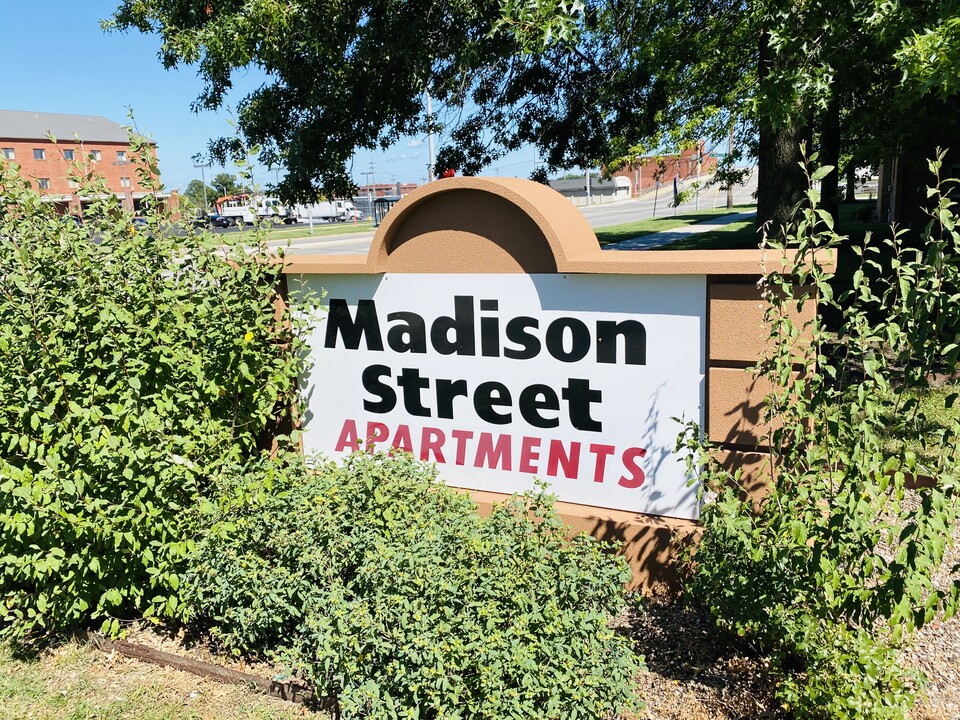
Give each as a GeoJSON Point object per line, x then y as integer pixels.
{"type": "Point", "coordinates": [134, 360]}
{"type": "Point", "coordinates": [390, 592]}
{"type": "Point", "coordinates": [833, 569]}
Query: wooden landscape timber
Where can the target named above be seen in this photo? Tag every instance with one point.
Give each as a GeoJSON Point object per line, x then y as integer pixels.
{"type": "Point", "coordinates": [290, 690]}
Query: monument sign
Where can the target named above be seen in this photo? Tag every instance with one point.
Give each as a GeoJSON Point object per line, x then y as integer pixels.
{"type": "Point", "coordinates": [486, 331]}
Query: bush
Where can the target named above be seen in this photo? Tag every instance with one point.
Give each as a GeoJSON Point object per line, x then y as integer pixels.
{"type": "Point", "coordinates": [134, 360]}
{"type": "Point", "coordinates": [391, 593]}
{"type": "Point", "coordinates": [833, 569]}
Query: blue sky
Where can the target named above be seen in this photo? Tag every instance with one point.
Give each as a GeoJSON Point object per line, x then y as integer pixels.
{"type": "Point", "coordinates": [57, 59]}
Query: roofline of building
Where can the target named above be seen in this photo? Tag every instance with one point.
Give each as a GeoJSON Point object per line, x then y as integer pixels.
{"type": "Point", "coordinates": [27, 125]}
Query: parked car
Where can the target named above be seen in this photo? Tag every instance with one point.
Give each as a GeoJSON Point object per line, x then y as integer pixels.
{"type": "Point", "coordinates": [223, 221]}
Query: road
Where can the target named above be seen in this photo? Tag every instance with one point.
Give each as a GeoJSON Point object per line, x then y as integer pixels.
{"type": "Point", "coordinates": [603, 215]}
{"type": "Point", "coordinates": [657, 204]}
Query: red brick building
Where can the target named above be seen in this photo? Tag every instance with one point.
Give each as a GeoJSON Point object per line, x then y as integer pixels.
{"type": "Point", "coordinates": [646, 172]}
{"type": "Point", "coordinates": [82, 141]}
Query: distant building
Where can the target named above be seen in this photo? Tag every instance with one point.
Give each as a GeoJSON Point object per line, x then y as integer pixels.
{"type": "Point", "coordinates": [645, 173]}
{"type": "Point", "coordinates": [904, 173]}
{"type": "Point", "coordinates": [902, 185]}
{"type": "Point", "coordinates": [82, 141]}
{"type": "Point", "coordinates": [616, 188]}
{"type": "Point", "coordinates": [386, 189]}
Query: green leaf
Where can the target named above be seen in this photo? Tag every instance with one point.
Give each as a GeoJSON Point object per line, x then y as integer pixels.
{"type": "Point", "coordinates": [821, 172]}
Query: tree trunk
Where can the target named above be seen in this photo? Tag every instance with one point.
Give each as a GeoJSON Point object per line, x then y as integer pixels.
{"type": "Point", "coordinates": [780, 179]}
{"type": "Point", "coordinates": [730, 155]}
{"type": "Point", "coordinates": [851, 191]}
{"type": "Point", "coordinates": [830, 155]}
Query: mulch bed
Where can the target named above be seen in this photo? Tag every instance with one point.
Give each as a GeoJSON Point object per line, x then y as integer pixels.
{"type": "Point", "coordinates": [695, 673]}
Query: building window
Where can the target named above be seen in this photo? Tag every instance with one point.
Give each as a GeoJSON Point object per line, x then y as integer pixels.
{"type": "Point", "coordinates": [121, 156]}
{"type": "Point", "coordinates": [68, 154]}
{"type": "Point", "coordinates": [43, 183]}
{"type": "Point", "coordinates": [125, 182]}
{"type": "Point", "coordinates": [74, 185]}
{"type": "Point", "coordinates": [39, 154]}
{"type": "Point", "coordinates": [9, 154]}
{"type": "Point", "coordinates": [95, 155]}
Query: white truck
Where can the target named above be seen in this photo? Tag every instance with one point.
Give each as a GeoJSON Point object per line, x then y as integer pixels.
{"type": "Point", "coordinates": [327, 211]}
{"type": "Point", "coordinates": [247, 209]}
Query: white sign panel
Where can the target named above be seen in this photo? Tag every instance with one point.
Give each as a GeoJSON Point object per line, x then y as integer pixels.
{"type": "Point", "coordinates": [498, 379]}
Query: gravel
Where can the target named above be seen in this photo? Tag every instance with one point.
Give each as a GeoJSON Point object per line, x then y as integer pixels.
{"type": "Point", "coordinates": [936, 652]}
{"type": "Point", "coordinates": [693, 673]}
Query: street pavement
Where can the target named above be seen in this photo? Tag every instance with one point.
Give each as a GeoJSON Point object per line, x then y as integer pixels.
{"type": "Point", "coordinates": [657, 204]}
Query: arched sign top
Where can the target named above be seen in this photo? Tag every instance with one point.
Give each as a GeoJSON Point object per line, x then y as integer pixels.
{"type": "Point", "coordinates": [485, 225]}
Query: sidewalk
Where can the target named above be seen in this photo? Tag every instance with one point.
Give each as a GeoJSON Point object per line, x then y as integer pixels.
{"type": "Point", "coordinates": [646, 242]}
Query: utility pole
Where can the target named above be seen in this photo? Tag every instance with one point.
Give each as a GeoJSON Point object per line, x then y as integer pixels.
{"type": "Point", "coordinates": [370, 188]}
{"type": "Point", "coordinates": [203, 181]}
{"type": "Point", "coordinates": [699, 160]}
{"type": "Point", "coordinates": [730, 160]}
{"type": "Point", "coordinates": [589, 198]}
{"type": "Point", "coordinates": [429, 139]}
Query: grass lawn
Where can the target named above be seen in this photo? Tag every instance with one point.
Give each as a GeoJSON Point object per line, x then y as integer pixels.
{"type": "Point", "coordinates": [75, 682]}
{"type": "Point", "coordinates": [743, 235]}
{"type": "Point", "coordinates": [285, 232]}
{"type": "Point", "coordinates": [639, 228]}
{"type": "Point", "coordinates": [733, 236]}
{"type": "Point", "coordinates": [277, 233]}
{"type": "Point", "coordinates": [932, 405]}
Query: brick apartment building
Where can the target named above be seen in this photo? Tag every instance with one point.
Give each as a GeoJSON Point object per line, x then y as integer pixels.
{"type": "Point", "coordinates": [83, 141]}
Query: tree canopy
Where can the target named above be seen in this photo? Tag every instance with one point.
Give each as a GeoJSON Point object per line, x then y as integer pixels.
{"type": "Point", "coordinates": [595, 81]}
{"type": "Point", "coordinates": [226, 184]}
{"type": "Point", "coordinates": [194, 192]}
